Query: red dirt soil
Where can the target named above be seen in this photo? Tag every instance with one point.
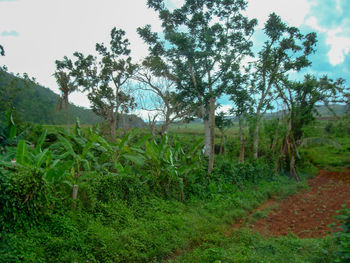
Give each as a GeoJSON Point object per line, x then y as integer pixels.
{"type": "Point", "coordinates": [309, 214]}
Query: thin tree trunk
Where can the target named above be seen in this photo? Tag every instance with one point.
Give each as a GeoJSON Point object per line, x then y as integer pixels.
{"type": "Point", "coordinates": [275, 137]}
{"type": "Point", "coordinates": [113, 127]}
{"type": "Point", "coordinates": [74, 195]}
{"type": "Point", "coordinates": [242, 140]}
{"type": "Point", "coordinates": [206, 136]}
{"type": "Point", "coordinates": [212, 134]}
{"type": "Point", "coordinates": [292, 169]}
{"type": "Point", "coordinates": [256, 139]}
{"type": "Point", "coordinates": [67, 113]}
{"type": "Point", "coordinates": [165, 126]}
{"type": "Point", "coordinates": [221, 142]}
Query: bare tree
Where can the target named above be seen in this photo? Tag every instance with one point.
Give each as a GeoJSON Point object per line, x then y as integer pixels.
{"type": "Point", "coordinates": [165, 100]}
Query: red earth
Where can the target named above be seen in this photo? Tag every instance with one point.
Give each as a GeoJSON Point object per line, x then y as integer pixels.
{"type": "Point", "coordinates": [308, 214]}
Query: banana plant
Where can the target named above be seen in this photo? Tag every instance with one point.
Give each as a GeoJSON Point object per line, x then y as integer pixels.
{"type": "Point", "coordinates": [170, 165]}
{"type": "Point", "coordinates": [32, 158]}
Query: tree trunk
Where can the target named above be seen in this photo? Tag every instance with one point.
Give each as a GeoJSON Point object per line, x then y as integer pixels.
{"type": "Point", "coordinates": [292, 169]}
{"type": "Point", "coordinates": [256, 139]}
{"type": "Point", "coordinates": [221, 142]}
{"type": "Point", "coordinates": [75, 191]}
{"type": "Point", "coordinates": [66, 104]}
{"type": "Point", "coordinates": [242, 140]}
{"type": "Point", "coordinates": [212, 134]}
{"type": "Point", "coordinates": [206, 136]}
{"type": "Point", "coordinates": [113, 123]}
{"type": "Point", "coordinates": [75, 195]}
{"type": "Point", "coordinates": [165, 127]}
{"type": "Point", "coordinates": [275, 137]}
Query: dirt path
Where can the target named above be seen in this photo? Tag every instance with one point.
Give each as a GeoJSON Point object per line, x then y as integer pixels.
{"type": "Point", "coordinates": [306, 214]}
{"type": "Point", "coordinates": [309, 214]}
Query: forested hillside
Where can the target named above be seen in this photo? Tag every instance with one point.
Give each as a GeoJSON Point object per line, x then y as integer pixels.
{"type": "Point", "coordinates": [38, 104]}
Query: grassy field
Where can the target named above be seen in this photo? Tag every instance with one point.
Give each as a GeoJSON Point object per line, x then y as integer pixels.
{"type": "Point", "coordinates": [124, 214]}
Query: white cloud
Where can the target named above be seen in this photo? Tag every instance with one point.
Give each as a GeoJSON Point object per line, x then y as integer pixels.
{"type": "Point", "coordinates": [292, 12]}
{"type": "Point", "coordinates": [144, 114]}
{"type": "Point", "coordinates": [340, 46]}
{"type": "Point", "coordinates": [223, 108]}
{"type": "Point", "coordinates": [49, 30]}
{"type": "Point", "coordinates": [336, 39]}
{"type": "Point", "coordinates": [313, 23]}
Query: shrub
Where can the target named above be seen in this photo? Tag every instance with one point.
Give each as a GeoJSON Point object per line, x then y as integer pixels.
{"type": "Point", "coordinates": [24, 198]}
{"type": "Point", "coordinates": [343, 236]}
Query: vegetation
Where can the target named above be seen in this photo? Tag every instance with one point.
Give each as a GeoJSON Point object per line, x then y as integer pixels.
{"type": "Point", "coordinates": [97, 193]}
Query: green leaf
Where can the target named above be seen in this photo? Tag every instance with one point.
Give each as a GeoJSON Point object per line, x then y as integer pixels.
{"type": "Point", "coordinates": [89, 144]}
{"type": "Point", "coordinates": [195, 147]}
{"type": "Point", "coordinates": [105, 144]}
{"type": "Point", "coordinates": [136, 159]}
{"type": "Point", "coordinates": [22, 152]}
{"type": "Point", "coordinates": [67, 145]}
{"type": "Point", "coordinates": [40, 142]}
{"type": "Point", "coordinates": [143, 140]}
{"type": "Point", "coordinates": [124, 141]}
{"type": "Point", "coordinates": [13, 132]}
{"type": "Point", "coordinates": [42, 157]}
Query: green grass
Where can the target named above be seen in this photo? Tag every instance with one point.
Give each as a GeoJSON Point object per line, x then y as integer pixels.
{"type": "Point", "coordinates": [146, 231]}
{"type": "Point", "coordinates": [327, 156]}
{"type": "Point", "coordinates": [246, 246]}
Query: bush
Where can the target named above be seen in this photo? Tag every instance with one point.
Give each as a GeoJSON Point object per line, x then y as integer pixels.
{"type": "Point", "coordinates": [229, 172]}
{"type": "Point", "coordinates": [126, 187]}
{"type": "Point", "coordinates": [343, 236]}
{"type": "Point", "coordinates": [24, 198]}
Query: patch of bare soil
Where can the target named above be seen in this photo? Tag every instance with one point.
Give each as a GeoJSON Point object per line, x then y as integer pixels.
{"type": "Point", "coordinates": [309, 214]}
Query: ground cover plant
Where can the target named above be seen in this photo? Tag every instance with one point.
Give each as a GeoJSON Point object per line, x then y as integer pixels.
{"type": "Point", "coordinates": [126, 210]}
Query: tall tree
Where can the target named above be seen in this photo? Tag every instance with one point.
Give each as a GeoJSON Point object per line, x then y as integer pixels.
{"type": "Point", "coordinates": [202, 39]}
{"type": "Point", "coordinates": [301, 99]}
{"type": "Point", "coordinates": [105, 77]}
{"type": "Point", "coordinates": [285, 50]}
{"type": "Point", "coordinates": [65, 83]}
{"type": "Point", "coordinates": [236, 83]}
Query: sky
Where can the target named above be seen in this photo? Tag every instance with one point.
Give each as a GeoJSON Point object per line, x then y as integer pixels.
{"type": "Point", "coordinates": [35, 33]}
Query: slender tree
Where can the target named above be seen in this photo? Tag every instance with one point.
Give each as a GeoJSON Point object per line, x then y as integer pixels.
{"type": "Point", "coordinates": [66, 85]}
{"type": "Point", "coordinates": [237, 84]}
{"type": "Point", "coordinates": [202, 39]}
{"type": "Point", "coordinates": [105, 78]}
{"type": "Point", "coordinates": [222, 122]}
{"type": "Point", "coordinates": [285, 50]}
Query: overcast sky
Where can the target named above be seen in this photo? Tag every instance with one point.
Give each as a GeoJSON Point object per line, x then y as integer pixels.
{"type": "Point", "coordinates": [35, 33]}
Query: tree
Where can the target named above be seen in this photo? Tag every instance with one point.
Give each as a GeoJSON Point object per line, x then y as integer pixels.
{"type": "Point", "coordinates": [236, 83]}
{"type": "Point", "coordinates": [155, 78]}
{"type": "Point", "coordinates": [222, 122]}
{"type": "Point", "coordinates": [202, 39]}
{"type": "Point", "coordinates": [65, 83]}
{"type": "Point", "coordinates": [2, 50]}
{"type": "Point", "coordinates": [105, 78]}
{"type": "Point", "coordinates": [285, 50]}
{"type": "Point", "coordinates": [301, 99]}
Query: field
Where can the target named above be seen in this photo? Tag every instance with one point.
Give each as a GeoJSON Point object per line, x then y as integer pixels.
{"type": "Point", "coordinates": [133, 213]}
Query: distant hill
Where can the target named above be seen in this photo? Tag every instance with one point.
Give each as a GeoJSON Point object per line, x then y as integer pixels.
{"type": "Point", "coordinates": [38, 104]}
{"type": "Point", "coordinates": [323, 111]}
